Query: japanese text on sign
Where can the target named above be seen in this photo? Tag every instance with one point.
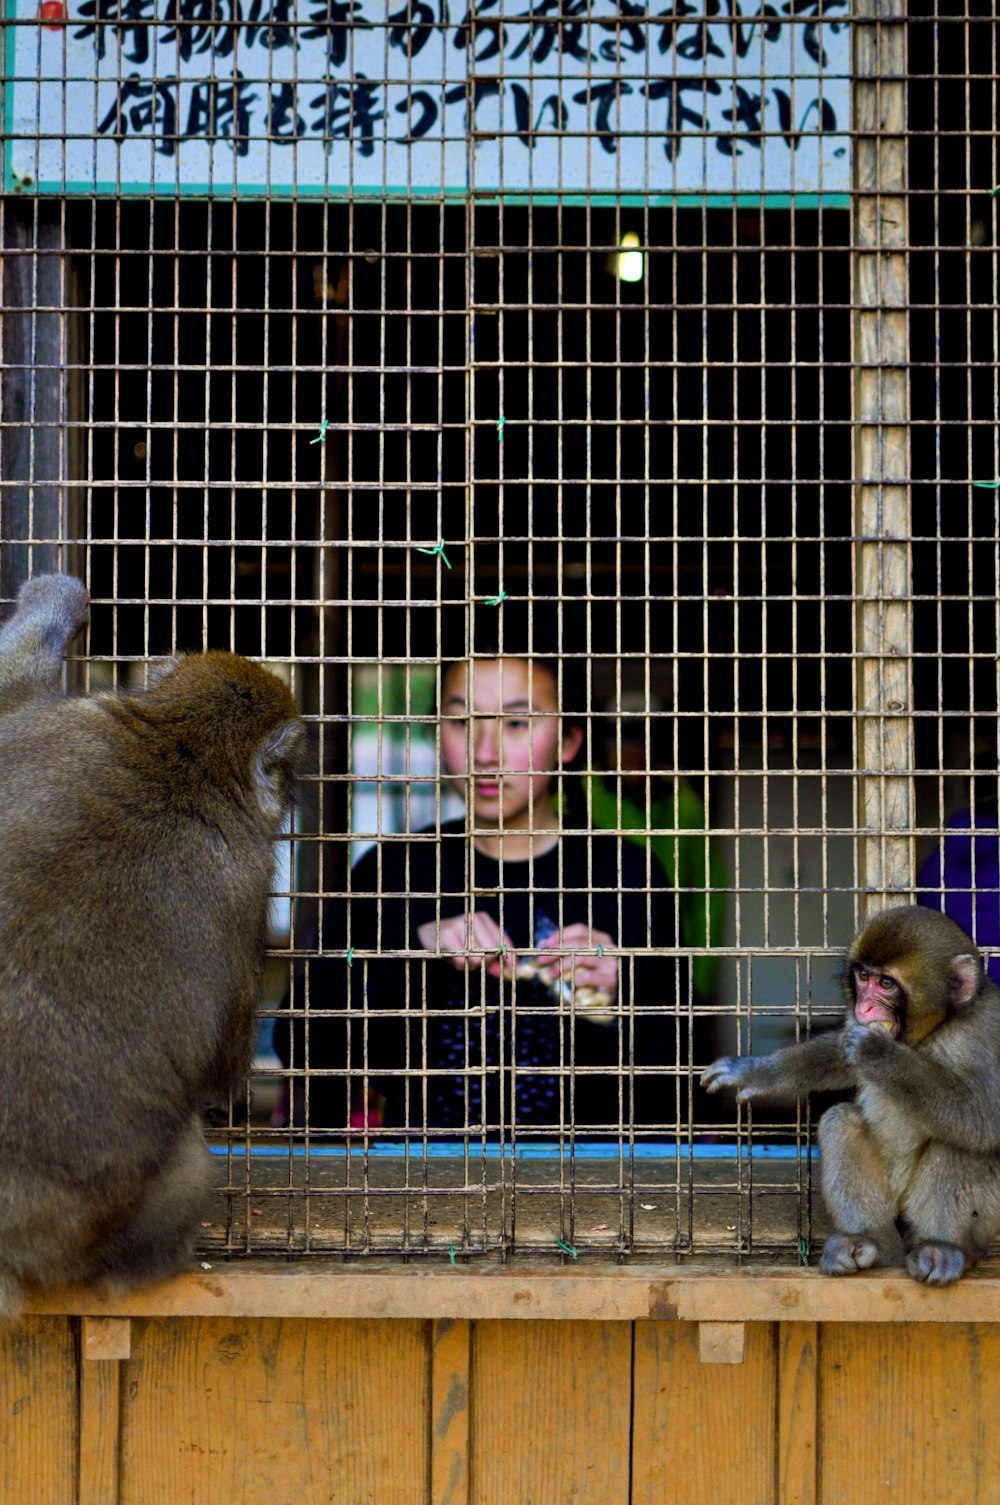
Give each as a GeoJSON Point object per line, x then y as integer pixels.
{"type": "Point", "coordinates": [553, 97]}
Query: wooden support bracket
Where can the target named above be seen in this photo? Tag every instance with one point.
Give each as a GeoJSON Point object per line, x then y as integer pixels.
{"type": "Point", "coordinates": [721, 1342]}
{"type": "Point", "coordinates": [107, 1337]}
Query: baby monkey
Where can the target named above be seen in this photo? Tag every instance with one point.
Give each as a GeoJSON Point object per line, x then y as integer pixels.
{"type": "Point", "coordinates": [910, 1169]}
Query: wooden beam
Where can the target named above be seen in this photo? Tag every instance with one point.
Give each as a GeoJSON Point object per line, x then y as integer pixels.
{"type": "Point", "coordinates": [380, 1288]}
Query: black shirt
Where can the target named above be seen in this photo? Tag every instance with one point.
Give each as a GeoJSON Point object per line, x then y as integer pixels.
{"type": "Point", "coordinates": [453, 1049]}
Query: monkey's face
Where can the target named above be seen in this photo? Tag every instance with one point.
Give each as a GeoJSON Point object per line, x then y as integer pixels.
{"type": "Point", "coordinates": [879, 999]}
{"type": "Point", "coordinates": [887, 998]}
{"type": "Point", "coordinates": [909, 970]}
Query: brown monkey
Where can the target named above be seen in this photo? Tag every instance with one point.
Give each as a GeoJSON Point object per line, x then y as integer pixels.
{"type": "Point", "coordinates": [911, 1168]}
{"type": "Point", "coordinates": [136, 857]}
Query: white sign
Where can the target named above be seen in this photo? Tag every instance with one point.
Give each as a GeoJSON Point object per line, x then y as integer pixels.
{"type": "Point", "coordinates": [589, 98]}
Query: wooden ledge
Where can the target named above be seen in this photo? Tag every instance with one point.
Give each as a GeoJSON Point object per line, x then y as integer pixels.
{"type": "Point", "coordinates": [380, 1288]}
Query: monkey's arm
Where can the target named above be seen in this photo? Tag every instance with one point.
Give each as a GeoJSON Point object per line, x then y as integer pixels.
{"type": "Point", "coordinates": [51, 609]}
{"type": "Point", "coordinates": [817, 1065]}
{"type": "Point", "coordinates": [960, 1107]}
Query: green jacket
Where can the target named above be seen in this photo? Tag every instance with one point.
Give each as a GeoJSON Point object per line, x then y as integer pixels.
{"type": "Point", "coordinates": [701, 901]}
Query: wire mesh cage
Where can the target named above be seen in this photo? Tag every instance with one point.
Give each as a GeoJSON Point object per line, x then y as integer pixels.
{"type": "Point", "coordinates": [591, 413]}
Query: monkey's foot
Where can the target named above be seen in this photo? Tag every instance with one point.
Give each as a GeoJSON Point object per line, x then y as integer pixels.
{"type": "Point", "coordinates": [847, 1253]}
{"type": "Point", "coordinates": [937, 1264]}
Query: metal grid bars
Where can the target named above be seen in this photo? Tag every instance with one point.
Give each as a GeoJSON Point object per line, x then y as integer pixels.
{"type": "Point", "coordinates": [591, 412]}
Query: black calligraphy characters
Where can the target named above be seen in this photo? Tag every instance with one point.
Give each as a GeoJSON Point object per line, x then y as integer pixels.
{"type": "Point", "coordinates": [355, 79]}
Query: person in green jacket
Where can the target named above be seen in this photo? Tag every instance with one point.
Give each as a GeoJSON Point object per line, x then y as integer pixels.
{"type": "Point", "coordinates": [692, 862]}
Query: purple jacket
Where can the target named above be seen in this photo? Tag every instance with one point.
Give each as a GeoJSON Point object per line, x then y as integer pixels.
{"type": "Point", "coordinates": [971, 880]}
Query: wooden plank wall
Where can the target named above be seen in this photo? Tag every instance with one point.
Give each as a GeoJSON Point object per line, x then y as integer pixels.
{"type": "Point", "coordinates": [270, 1411]}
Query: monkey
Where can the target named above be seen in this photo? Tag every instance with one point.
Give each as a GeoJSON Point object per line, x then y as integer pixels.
{"type": "Point", "coordinates": [910, 1170]}
{"type": "Point", "coordinates": [136, 861]}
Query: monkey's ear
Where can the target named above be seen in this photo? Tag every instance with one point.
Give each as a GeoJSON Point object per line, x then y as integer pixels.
{"type": "Point", "coordinates": [276, 761]}
{"type": "Point", "coordinates": [965, 978]}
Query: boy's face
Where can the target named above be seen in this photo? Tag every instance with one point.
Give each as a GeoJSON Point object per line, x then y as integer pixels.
{"type": "Point", "coordinates": [501, 731]}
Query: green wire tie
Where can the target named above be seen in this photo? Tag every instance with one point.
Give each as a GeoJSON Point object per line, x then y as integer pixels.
{"type": "Point", "coordinates": [500, 423]}
{"type": "Point", "coordinates": [438, 550]}
{"type": "Point", "coordinates": [322, 432]}
{"type": "Point", "coordinates": [495, 600]}
{"type": "Point", "coordinates": [350, 956]}
{"type": "Point", "coordinates": [995, 191]}
{"type": "Point", "coordinates": [803, 1252]}
{"type": "Point", "coordinates": [567, 1248]}
{"type": "Point", "coordinates": [451, 1252]}
{"type": "Point", "coordinates": [988, 485]}
{"type": "Point", "coordinates": [600, 950]}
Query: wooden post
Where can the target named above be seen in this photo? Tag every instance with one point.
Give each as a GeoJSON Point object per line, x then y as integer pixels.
{"type": "Point", "coordinates": [104, 1342]}
{"type": "Point", "coordinates": [882, 504]}
{"type": "Point", "coordinates": [798, 1417]}
{"type": "Point", "coordinates": [450, 1360]}
{"type": "Point", "coordinates": [34, 354]}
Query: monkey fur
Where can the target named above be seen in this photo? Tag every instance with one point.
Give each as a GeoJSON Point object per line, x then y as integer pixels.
{"type": "Point", "coordinates": [911, 1169]}
{"type": "Point", "coordinates": [136, 859]}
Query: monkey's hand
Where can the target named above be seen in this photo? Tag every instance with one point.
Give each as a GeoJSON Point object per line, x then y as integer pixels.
{"type": "Point", "coordinates": [868, 1049]}
{"type": "Point", "coordinates": [815, 1065]}
{"type": "Point", "coordinates": [745, 1073]}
